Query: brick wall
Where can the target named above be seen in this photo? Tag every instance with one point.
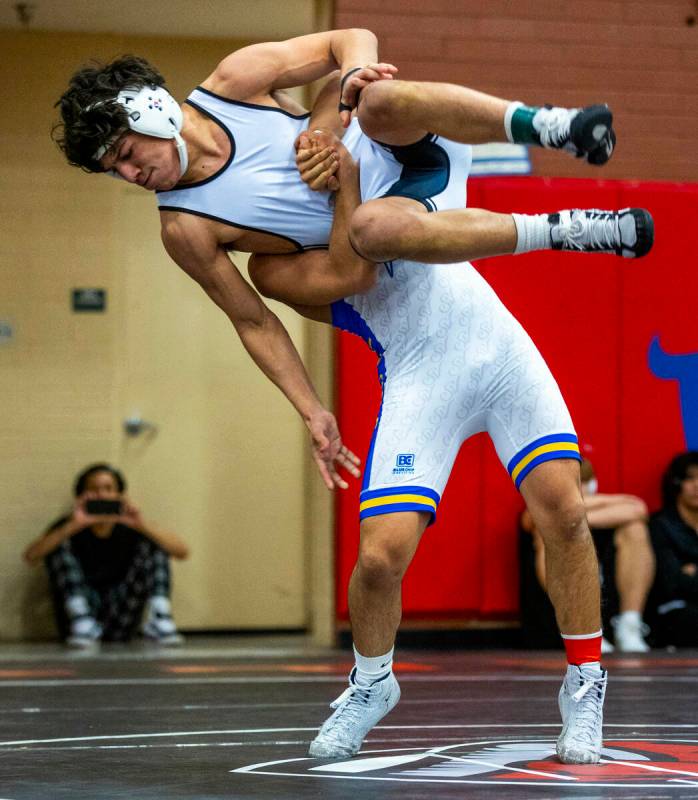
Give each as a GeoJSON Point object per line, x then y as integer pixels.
{"type": "Point", "coordinates": [639, 57]}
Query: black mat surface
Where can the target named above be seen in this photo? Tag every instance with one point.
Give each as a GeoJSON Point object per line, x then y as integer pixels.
{"type": "Point", "coordinates": [213, 722]}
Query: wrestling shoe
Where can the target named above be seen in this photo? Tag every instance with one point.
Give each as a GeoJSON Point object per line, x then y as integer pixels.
{"type": "Point", "coordinates": [581, 706]}
{"type": "Point", "coordinates": [628, 233]}
{"type": "Point", "coordinates": [159, 626]}
{"type": "Point", "coordinates": [585, 132]}
{"type": "Point", "coordinates": [629, 633]}
{"type": "Point", "coordinates": [358, 709]}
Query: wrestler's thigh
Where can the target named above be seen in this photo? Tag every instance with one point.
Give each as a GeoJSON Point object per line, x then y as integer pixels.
{"type": "Point", "coordinates": [527, 417]}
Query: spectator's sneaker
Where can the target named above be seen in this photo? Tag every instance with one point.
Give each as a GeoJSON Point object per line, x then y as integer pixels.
{"type": "Point", "coordinates": [85, 632]}
{"type": "Point", "coordinates": [358, 709]}
{"type": "Point", "coordinates": [585, 132]}
{"type": "Point", "coordinates": [628, 233]}
{"type": "Point", "coordinates": [606, 646]}
{"type": "Point", "coordinates": [581, 706]}
{"type": "Point", "coordinates": [159, 626]}
{"type": "Point", "coordinates": [630, 632]}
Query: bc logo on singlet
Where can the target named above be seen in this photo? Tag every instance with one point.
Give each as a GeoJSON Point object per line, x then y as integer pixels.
{"type": "Point", "coordinates": [404, 464]}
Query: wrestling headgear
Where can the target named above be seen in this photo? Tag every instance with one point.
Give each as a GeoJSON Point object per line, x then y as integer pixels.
{"type": "Point", "coordinates": [153, 111]}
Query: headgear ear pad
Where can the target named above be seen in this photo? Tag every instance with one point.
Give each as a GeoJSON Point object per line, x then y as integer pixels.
{"type": "Point", "coordinates": [153, 111]}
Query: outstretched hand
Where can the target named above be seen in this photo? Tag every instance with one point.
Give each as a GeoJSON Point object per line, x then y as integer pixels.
{"type": "Point", "coordinates": [354, 80]}
{"type": "Point", "coordinates": [329, 452]}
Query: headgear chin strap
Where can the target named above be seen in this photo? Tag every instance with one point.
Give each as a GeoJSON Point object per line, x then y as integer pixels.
{"type": "Point", "coordinates": [153, 111]}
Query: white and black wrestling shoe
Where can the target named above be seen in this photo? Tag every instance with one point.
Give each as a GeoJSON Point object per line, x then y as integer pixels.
{"type": "Point", "coordinates": [585, 132]}
{"type": "Point", "coordinates": [581, 707]}
{"type": "Point", "coordinates": [358, 709]}
{"type": "Point", "coordinates": [628, 233]}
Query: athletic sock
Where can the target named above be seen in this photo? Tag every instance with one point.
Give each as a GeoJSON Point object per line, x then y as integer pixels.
{"type": "Point", "coordinates": [583, 648]}
{"type": "Point", "coordinates": [533, 232]}
{"type": "Point", "coordinates": [518, 123]}
{"type": "Point", "coordinates": [633, 617]}
{"type": "Point", "coordinates": [368, 668]}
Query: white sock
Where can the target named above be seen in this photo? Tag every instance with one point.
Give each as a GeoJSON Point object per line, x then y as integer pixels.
{"type": "Point", "coordinates": [592, 665]}
{"type": "Point", "coordinates": [508, 114]}
{"type": "Point", "coordinates": [368, 668]}
{"type": "Point", "coordinates": [533, 232]}
{"type": "Point", "coordinates": [630, 616]}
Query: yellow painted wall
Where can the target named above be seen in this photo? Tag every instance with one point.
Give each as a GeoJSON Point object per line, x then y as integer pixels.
{"type": "Point", "coordinates": [60, 400]}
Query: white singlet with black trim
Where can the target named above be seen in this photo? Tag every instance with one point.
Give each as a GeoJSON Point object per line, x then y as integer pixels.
{"type": "Point", "coordinates": [259, 188]}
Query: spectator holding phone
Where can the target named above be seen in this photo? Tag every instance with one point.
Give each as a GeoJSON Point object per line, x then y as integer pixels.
{"type": "Point", "coordinates": [107, 566]}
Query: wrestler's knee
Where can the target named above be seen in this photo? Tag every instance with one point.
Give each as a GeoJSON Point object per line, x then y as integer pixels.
{"type": "Point", "coordinates": [381, 104]}
{"type": "Point", "coordinates": [376, 228]}
{"type": "Point", "coordinates": [555, 501]}
{"type": "Point", "coordinates": [382, 563]}
{"type": "Point", "coordinates": [562, 521]}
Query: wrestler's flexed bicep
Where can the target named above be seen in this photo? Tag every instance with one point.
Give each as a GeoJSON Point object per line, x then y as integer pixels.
{"type": "Point", "coordinates": [253, 72]}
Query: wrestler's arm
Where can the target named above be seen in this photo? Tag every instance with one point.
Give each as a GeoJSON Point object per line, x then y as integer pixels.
{"type": "Point", "coordinates": [261, 333]}
{"type": "Point", "coordinates": [320, 277]}
{"type": "Point", "coordinates": [314, 167]}
{"type": "Point", "coordinates": [253, 72]}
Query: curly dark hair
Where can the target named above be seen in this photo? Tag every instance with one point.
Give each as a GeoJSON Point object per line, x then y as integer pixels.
{"type": "Point", "coordinates": [90, 116]}
{"type": "Point", "coordinates": [675, 473]}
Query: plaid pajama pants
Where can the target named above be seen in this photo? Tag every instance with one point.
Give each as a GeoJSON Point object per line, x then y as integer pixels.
{"type": "Point", "coordinates": [118, 608]}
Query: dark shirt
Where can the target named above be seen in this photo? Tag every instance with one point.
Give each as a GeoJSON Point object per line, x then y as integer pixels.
{"type": "Point", "coordinates": [105, 561]}
{"type": "Point", "coordinates": [675, 544]}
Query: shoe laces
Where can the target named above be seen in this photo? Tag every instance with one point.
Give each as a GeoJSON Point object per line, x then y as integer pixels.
{"type": "Point", "coordinates": [590, 230]}
{"type": "Point", "coordinates": [555, 127]}
{"type": "Point", "coordinates": [353, 702]}
{"type": "Point", "coordinates": [588, 712]}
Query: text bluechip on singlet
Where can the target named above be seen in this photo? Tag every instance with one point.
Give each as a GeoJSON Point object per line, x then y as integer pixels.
{"type": "Point", "coordinates": [404, 463]}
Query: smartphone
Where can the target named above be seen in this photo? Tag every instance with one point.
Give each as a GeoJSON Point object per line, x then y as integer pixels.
{"type": "Point", "coordinates": [103, 507]}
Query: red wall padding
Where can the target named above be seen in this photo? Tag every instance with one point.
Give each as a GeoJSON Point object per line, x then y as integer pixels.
{"type": "Point", "coordinates": [592, 318]}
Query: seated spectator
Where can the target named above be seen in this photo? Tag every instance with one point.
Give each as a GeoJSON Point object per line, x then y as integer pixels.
{"type": "Point", "coordinates": [106, 569]}
{"type": "Point", "coordinates": [618, 524]}
{"type": "Point", "coordinates": [675, 539]}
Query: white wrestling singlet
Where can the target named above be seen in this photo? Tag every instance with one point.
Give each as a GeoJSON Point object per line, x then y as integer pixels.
{"type": "Point", "coordinates": [453, 362]}
{"type": "Point", "coordinates": [259, 188]}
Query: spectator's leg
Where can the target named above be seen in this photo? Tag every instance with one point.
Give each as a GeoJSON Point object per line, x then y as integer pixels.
{"type": "Point", "coordinates": [634, 565]}
{"type": "Point", "coordinates": [147, 583]}
{"type": "Point", "coordinates": [125, 601]}
{"type": "Point", "coordinates": [634, 568]}
{"type": "Point", "coordinates": [159, 624]}
{"type": "Point", "coordinates": [76, 604]}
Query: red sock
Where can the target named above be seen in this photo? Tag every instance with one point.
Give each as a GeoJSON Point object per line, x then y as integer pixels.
{"type": "Point", "coordinates": [582, 648]}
